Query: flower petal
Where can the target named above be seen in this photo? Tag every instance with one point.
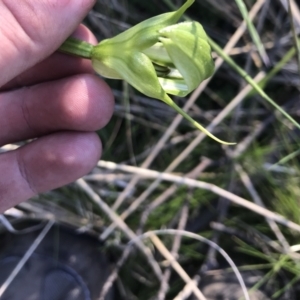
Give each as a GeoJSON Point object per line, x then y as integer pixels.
{"type": "Point", "coordinates": [137, 69]}
{"type": "Point", "coordinates": [103, 69]}
{"type": "Point", "coordinates": [158, 54]}
{"type": "Point", "coordinates": [145, 34]}
{"type": "Point", "coordinates": [190, 53]}
{"type": "Point", "coordinates": [176, 87]}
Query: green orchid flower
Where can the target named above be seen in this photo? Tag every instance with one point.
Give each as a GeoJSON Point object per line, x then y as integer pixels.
{"type": "Point", "coordinates": [158, 57]}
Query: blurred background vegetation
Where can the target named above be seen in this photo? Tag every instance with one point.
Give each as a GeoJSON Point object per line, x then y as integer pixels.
{"type": "Point", "coordinates": [263, 167]}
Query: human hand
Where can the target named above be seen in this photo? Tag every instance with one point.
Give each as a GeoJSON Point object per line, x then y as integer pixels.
{"type": "Point", "coordinates": [49, 96]}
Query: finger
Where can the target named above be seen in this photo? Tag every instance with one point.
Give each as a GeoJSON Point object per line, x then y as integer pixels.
{"type": "Point", "coordinates": [56, 66]}
{"type": "Point", "coordinates": [82, 103]}
{"type": "Point", "coordinates": [33, 29]}
{"type": "Point", "coordinates": [45, 164]}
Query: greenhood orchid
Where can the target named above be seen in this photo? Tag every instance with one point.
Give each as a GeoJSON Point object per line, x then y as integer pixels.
{"type": "Point", "coordinates": [157, 57]}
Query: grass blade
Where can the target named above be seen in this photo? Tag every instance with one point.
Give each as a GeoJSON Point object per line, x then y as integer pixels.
{"type": "Point", "coordinates": [254, 35]}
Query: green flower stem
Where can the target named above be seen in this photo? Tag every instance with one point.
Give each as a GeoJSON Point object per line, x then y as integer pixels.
{"type": "Point", "coordinates": [77, 47]}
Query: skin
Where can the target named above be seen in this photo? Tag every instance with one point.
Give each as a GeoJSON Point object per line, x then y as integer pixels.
{"type": "Point", "coordinates": [49, 97]}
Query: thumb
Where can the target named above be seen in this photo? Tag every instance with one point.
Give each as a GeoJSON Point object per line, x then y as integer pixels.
{"type": "Point", "coordinates": [33, 29]}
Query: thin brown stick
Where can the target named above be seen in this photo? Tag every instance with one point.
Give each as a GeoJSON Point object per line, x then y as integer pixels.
{"type": "Point", "coordinates": [164, 286]}
{"type": "Point", "coordinates": [171, 191]}
{"type": "Point", "coordinates": [176, 266]}
{"type": "Point", "coordinates": [120, 223]}
{"type": "Point", "coordinates": [206, 186]}
{"type": "Point", "coordinates": [257, 199]}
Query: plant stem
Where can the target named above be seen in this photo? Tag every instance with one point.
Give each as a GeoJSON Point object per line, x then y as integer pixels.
{"type": "Point", "coordinates": [247, 77]}
{"type": "Point", "coordinates": [253, 33]}
{"type": "Point", "coordinates": [77, 47]}
{"type": "Point", "coordinates": [277, 68]}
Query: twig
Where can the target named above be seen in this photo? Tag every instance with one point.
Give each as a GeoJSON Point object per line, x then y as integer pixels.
{"type": "Point", "coordinates": [186, 292]}
{"type": "Point", "coordinates": [174, 252]}
{"type": "Point", "coordinates": [294, 32]}
{"type": "Point", "coordinates": [171, 191]}
{"type": "Point", "coordinates": [120, 223]}
{"type": "Point", "coordinates": [294, 8]}
{"type": "Point", "coordinates": [113, 276]}
{"type": "Point", "coordinates": [176, 266]}
{"type": "Point", "coordinates": [206, 241]}
{"type": "Point", "coordinates": [203, 185]}
{"type": "Point", "coordinates": [252, 191]}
